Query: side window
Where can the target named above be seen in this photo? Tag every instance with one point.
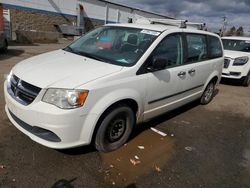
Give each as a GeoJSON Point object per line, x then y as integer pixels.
{"type": "Point", "coordinates": [170, 49]}
{"type": "Point", "coordinates": [196, 48]}
{"type": "Point", "coordinates": [215, 47]}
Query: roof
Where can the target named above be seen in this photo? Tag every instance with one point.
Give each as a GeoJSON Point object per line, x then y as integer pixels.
{"type": "Point", "coordinates": [236, 38]}
{"type": "Point", "coordinates": [154, 27]}
{"type": "Point", "coordinates": [161, 28]}
{"type": "Point", "coordinates": [141, 10]}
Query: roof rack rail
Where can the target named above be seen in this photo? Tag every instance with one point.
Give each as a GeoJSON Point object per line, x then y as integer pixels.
{"type": "Point", "coordinates": [200, 26]}
{"type": "Point", "coordinates": [172, 22]}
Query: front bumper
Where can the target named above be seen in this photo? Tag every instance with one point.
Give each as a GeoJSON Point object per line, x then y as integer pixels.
{"type": "Point", "coordinates": [43, 123]}
{"type": "Point", "coordinates": [234, 72]}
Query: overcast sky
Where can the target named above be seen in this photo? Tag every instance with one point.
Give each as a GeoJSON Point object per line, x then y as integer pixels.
{"type": "Point", "coordinates": [210, 12]}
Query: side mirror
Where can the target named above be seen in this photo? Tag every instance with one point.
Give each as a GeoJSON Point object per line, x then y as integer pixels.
{"type": "Point", "coordinates": [158, 63]}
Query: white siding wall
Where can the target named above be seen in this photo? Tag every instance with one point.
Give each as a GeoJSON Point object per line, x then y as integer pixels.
{"type": "Point", "coordinates": [92, 8]}
{"type": "Point", "coordinates": [64, 6]}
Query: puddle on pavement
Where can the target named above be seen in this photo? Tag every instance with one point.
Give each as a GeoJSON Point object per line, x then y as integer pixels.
{"type": "Point", "coordinates": [123, 166]}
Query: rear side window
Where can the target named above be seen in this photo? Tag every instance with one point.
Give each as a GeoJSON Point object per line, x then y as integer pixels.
{"type": "Point", "coordinates": [215, 47]}
{"type": "Point", "coordinates": [196, 48]}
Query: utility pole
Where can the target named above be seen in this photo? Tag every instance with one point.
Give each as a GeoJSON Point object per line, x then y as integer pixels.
{"type": "Point", "coordinates": [224, 26]}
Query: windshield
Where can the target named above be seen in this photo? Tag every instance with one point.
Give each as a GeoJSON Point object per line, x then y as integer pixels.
{"type": "Point", "coordinates": [117, 45]}
{"type": "Point", "coordinates": [236, 45]}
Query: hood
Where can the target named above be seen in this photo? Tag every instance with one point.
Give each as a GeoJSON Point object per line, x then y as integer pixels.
{"type": "Point", "coordinates": [235, 54]}
{"type": "Point", "coordinates": [61, 69]}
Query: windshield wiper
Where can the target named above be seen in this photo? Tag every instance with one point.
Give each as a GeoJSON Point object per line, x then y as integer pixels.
{"type": "Point", "coordinates": [92, 56]}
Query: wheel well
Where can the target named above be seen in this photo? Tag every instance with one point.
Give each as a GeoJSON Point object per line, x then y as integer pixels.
{"type": "Point", "coordinates": [130, 102]}
{"type": "Point", "coordinates": [214, 79]}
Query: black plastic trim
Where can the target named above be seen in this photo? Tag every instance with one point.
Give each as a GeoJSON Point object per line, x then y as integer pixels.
{"type": "Point", "coordinates": [39, 132]}
{"type": "Point", "coordinates": [169, 96]}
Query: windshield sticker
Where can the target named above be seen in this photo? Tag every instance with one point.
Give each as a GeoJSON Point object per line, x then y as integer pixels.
{"type": "Point", "coordinates": [155, 33]}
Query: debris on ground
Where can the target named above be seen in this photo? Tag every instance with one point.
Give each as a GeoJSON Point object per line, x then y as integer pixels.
{"type": "Point", "coordinates": [2, 167]}
{"type": "Point", "coordinates": [136, 157]}
{"type": "Point", "coordinates": [188, 148]}
{"type": "Point", "coordinates": [135, 162]}
{"type": "Point", "coordinates": [141, 147]}
{"type": "Point", "coordinates": [111, 166]}
{"type": "Point", "coordinates": [172, 135]}
{"type": "Point", "coordinates": [157, 168]}
{"type": "Point", "coordinates": [159, 132]}
{"type": "Point", "coordinates": [186, 122]}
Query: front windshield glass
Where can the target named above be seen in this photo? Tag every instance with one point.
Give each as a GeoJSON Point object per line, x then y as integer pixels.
{"type": "Point", "coordinates": [117, 45]}
{"type": "Point", "coordinates": [236, 45]}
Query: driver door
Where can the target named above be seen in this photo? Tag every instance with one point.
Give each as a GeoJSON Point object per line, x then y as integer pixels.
{"type": "Point", "coordinates": [165, 87]}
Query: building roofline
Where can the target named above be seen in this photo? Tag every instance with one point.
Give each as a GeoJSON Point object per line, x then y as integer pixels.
{"type": "Point", "coordinates": [138, 9]}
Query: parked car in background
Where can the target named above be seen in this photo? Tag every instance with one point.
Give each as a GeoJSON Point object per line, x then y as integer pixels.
{"type": "Point", "coordinates": [3, 42]}
{"type": "Point", "coordinates": [99, 87]}
{"type": "Point", "coordinates": [237, 59]}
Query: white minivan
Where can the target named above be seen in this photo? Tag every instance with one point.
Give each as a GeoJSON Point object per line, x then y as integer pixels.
{"type": "Point", "coordinates": [99, 87]}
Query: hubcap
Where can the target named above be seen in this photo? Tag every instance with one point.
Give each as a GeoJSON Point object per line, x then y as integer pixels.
{"type": "Point", "coordinates": [116, 129]}
{"type": "Point", "coordinates": [209, 92]}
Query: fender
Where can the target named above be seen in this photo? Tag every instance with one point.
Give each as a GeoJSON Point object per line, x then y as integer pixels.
{"type": "Point", "coordinates": [214, 74]}
{"type": "Point", "coordinates": [105, 102]}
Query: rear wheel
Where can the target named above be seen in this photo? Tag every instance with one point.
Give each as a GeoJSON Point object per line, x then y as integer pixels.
{"type": "Point", "coordinates": [115, 128]}
{"type": "Point", "coordinates": [208, 94]}
{"type": "Point", "coordinates": [246, 81]}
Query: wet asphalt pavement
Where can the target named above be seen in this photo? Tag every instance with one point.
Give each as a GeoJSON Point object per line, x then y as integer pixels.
{"type": "Point", "coordinates": [205, 146]}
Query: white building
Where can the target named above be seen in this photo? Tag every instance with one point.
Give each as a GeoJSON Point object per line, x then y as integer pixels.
{"type": "Point", "coordinates": [47, 15]}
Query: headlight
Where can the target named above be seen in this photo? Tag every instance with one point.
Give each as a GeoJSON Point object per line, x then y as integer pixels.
{"type": "Point", "coordinates": [240, 61]}
{"type": "Point", "coordinates": [65, 98]}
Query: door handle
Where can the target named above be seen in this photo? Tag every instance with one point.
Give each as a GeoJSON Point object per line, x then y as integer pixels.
{"type": "Point", "coordinates": [191, 71]}
{"type": "Point", "coordinates": [181, 74]}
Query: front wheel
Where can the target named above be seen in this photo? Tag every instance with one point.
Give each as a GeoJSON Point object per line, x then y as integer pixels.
{"type": "Point", "coordinates": [208, 94]}
{"type": "Point", "coordinates": [115, 128]}
{"type": "Point", "coordinates": [246, 81]}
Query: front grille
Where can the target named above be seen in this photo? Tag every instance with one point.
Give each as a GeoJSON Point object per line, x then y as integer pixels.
{"type": "Point", "coordinates": [226, 63]}
{"type": "Point", "coordinates": [22, 91]}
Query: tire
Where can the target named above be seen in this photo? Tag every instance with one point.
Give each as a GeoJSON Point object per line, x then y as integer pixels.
{"type": "Point", "coordinates": [5, 46]}
{"type": "Point", "coordinates": [115, 128]}
{"type": "Point", "coordinates": [208, 94]}
{"type": "Point", "coordinates": [246, 81]}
